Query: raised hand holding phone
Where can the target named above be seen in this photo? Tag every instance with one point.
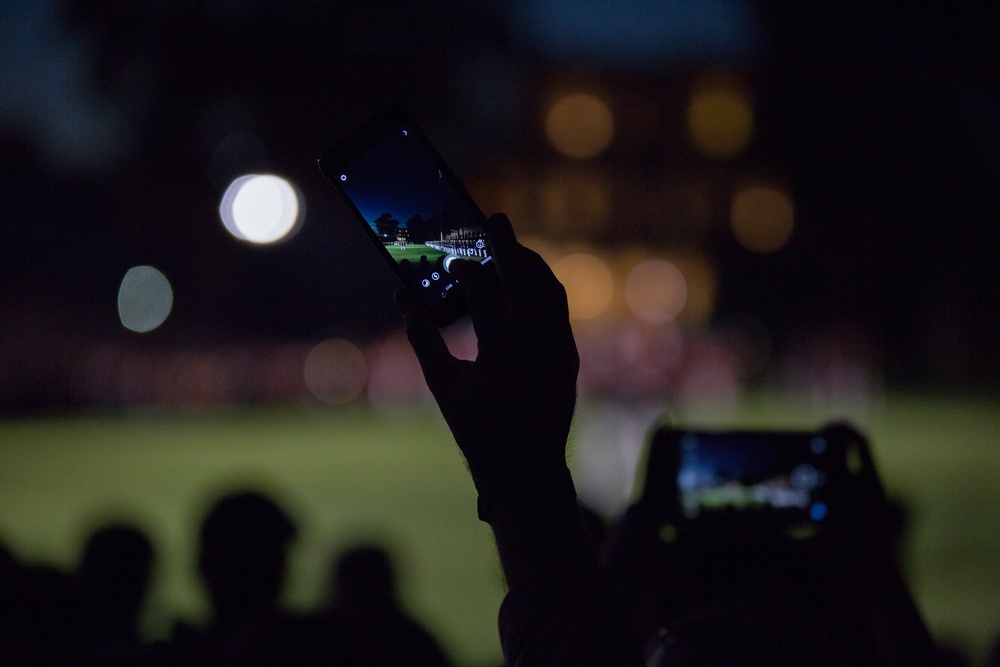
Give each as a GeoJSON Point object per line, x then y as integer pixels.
{"type": "Point", "coordinates": [510, 410]}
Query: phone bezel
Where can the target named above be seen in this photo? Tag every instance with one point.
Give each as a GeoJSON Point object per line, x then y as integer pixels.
{"type": "Point", "coordinates": [337, 158]}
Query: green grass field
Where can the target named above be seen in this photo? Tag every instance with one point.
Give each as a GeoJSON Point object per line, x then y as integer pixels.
{"type": "Point", "coordinates": [413, 252]}
{"type": "Point", "coordinates": [352, 473]}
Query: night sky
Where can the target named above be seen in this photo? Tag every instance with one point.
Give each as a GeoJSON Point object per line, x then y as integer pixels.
{"type": "Point", "coordinates": [413, 188]}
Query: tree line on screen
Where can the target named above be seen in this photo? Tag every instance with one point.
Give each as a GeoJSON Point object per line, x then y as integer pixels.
{"type": "Point", "coordinates": [418, 229]}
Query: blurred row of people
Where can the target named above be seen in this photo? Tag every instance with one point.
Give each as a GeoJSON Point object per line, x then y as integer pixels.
{"type": "Point", "coordinates": [91, 616]}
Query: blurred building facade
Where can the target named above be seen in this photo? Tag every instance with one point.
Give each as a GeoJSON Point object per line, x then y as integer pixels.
{"type": "Point", "coordinates": [766, 192]}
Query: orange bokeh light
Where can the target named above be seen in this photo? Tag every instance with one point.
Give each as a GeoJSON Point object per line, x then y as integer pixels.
{"type": "Point", "coordinates": [579, 125]}
{"type": "Point", "coordinates": [762, 218]}
{"type": "Point", "coordinates": [588, 282]}
{"type": "Point", "coordinates": [720, 117]}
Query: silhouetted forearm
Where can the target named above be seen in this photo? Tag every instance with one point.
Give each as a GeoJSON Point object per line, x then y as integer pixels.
{"type": "Point", "coordinates": [559, 609]}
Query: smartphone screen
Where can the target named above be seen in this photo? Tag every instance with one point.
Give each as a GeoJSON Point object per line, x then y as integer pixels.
{"type": "Point", "coordinates": [411, 205]}
{"type": "Point", "coordinates": [784, 474]}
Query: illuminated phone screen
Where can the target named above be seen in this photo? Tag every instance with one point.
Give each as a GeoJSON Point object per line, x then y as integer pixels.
{"type": "Point", "coordinates": [417, 212]}
{"type": "Point", "coordinates": [783, 474]}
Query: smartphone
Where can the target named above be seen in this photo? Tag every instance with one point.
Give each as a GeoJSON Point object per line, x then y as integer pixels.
{"type": "Point", "coordinates": [784, 477]}
{"type": "Point", "coordinates": [411, 205]}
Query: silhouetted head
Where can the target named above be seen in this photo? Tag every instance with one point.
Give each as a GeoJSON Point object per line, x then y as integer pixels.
{"type": "Point", "coordinates": [9, 571]}
{"type": "Point", "coordinates": [244, 545]}
{"type": "Point", "coordinates": [8, 564]}
{"type": "Point", "coordinates": [594, 523]}
{"type": "Point", "coordinates": [44, 622]}
{"type": "Point", "coordinates": [114, 577]}
{"type": "Point", "coordinates": [363, 576]}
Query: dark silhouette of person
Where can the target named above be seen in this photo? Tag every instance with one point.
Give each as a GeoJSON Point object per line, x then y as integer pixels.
{"type": "Point", "coordinates": [510, 412]}
{"type": "Point", "coordinates": [242, 560]}
{"type": "Point", "coordinates": [113, 575]}
{"type": "Point", "coordinates": [595, 523]}
{"type": "Point", "coordinates": [366, 615]}
{"type": "Point", "coordinates": [10, 570]}
{"type": "Point", "coordinates": [42, 616]}
{"type": "Point", "coordinates": [741, 596]}
{"type": "Point", "coordinates": [994, 657]}
{"type": "Point", "coordinates": [736, 588]}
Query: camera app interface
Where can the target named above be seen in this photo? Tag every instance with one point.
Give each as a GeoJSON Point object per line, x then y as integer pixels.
{"type": "Point", "coordinates": [780, 475]}
{"type": "Point", "coordinates": [418, 215]}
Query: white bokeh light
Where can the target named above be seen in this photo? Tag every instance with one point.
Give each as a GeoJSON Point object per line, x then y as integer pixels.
{"type": "Point", "coordinates": [144, 299]}
{"type": "Point", "coordinates": [260, 208]}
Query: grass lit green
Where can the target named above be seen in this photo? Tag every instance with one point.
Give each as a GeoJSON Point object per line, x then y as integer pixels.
{"type": "Point", "coordinates": [353, 473]}
{"type": "Point", "coordinates": [345, 475]}
{"type": "Point", "coordinates": [414, 252]}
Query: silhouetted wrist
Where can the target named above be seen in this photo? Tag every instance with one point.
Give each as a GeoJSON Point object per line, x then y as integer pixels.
{"type": "Point", "coordinates": [514, 493]}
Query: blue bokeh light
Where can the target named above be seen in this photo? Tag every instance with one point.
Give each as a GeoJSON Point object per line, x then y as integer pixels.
{"type": "Point", "coordinates": [818, 511]}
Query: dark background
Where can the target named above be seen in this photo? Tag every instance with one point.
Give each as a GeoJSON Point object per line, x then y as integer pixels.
{"type": "Point", "coordinates": [122, 122]}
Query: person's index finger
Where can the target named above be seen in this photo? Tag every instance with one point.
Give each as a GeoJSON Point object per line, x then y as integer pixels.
{"type": "Point", "coordinates": [507, 252]}
{"type": "Point", "coordinates": [500, 235]}
{"type": "Point", "coordinates": [500, 232]}
{"type": "Point", "coordinates": [481, 287]}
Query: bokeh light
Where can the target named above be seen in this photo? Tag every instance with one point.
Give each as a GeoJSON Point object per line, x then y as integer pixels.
{"type": "Point", "coordinates": [609, 440]}
{"type": "Point", "coordinates": [260, 208]}
{"type": "Point", "coordinates": [748, 340]}
{"type": "Point", "coordinates": [720, 118]}
{"type": "Point", "coordinates": [588, 282]}
{"type": "Point", "coordinates": [335, 371]}
{"type": "Point", "coordinates": [574, 202]}
{"type": "Point", "coordinates": [394, 376]}
{"type": "Point", "coordinates": [579, 125]}
{"type": "Point", "coordinates": [710, 378]}
{"type": "Point", "coordinates": [762, 218]}
{"type": "Point", "coordinates": [702, 281]}
{"type": "Point", "coordinates": [655, 291]}
{"type": "Point", "coordinates": [145, 299]}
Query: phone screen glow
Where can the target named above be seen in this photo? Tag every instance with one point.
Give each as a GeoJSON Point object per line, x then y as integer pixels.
{"type": "Point", "coordinates": [415, 210]}
{"type": "Point", "coordinates": [716, 473]}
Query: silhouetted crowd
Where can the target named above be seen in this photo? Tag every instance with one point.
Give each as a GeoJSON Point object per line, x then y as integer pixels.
{"type": "Point", "coordinates": [91, 616]}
